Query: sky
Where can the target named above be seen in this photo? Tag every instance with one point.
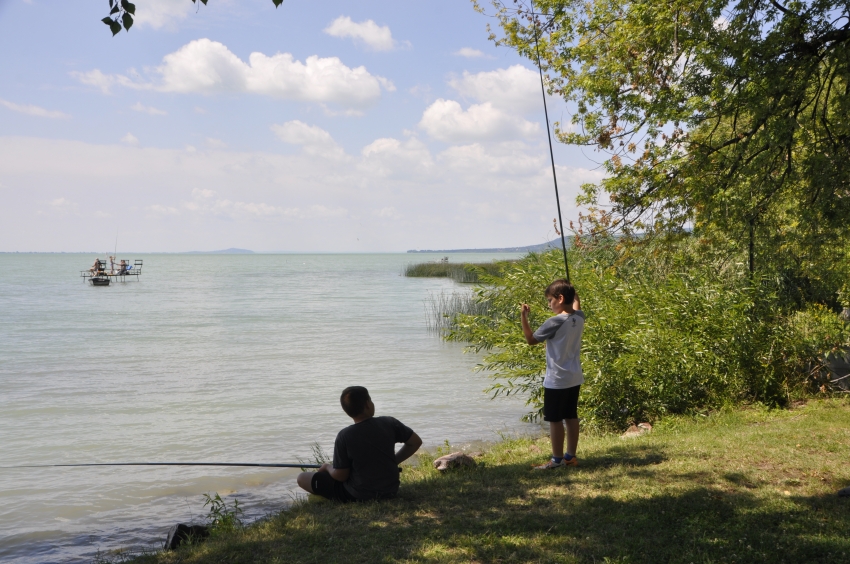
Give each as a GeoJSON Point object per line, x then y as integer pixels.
{"type": "Point", "coordinates": [320, 126]}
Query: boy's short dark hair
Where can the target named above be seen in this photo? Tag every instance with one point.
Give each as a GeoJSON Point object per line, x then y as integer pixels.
{"type": "Point", "coordinates": [354, 399]}
{"type": "Point", "coordinates": [561, 287]}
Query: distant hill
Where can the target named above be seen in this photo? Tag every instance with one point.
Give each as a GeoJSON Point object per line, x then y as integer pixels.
{"type": "Point", "coordinates": [554, 244]}
{"type": "Point", "coordinates": [223, 252]}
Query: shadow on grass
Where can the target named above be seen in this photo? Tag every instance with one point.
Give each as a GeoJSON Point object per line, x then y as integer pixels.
{"type": "Point", "coordinates": [617, 506]}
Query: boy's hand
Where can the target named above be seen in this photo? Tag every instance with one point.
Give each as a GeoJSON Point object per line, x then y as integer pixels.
{"type": "Point", "coordinates": [526, 329]}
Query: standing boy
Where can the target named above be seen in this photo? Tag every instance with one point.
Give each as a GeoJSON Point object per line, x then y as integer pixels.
{"type": "Point", "coordinates": [562, 334]}
{"type": "Point", "coordinates": [365, 464]}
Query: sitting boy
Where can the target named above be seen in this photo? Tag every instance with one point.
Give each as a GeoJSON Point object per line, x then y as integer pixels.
{"type": "Point", "coordinates": [365, 464]}
{"type": "Point", "coordinates": [562, 335]}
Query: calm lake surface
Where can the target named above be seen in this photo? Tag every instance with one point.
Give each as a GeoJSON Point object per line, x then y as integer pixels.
{"type": "Point", "coordinates": [226, 358]}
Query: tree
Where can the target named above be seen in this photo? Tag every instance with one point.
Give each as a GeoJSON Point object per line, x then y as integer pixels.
{"type": "Point", "coordinates": [726, 116]}
{"type": "Point", "coordinates": [121, 14]}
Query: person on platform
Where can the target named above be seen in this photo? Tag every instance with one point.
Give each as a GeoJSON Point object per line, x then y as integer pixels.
{"type": "Point", "coordinates": [95, 267]}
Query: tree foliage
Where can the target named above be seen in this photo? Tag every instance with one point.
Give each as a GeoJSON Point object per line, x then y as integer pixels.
{"type": "Point", "coordinates": [730, 117]}
{"type": "Point", "coordinates": [121, 14]}
{"type": "Point", "coordinates": [672, 330]}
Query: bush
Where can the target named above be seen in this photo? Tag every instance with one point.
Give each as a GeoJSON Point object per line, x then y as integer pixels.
{"type": "Point", "coordinates": [670, 332]}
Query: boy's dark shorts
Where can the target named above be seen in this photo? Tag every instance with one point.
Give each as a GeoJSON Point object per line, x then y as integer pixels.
{"type": "Point", "coordinates": [560, 404]}
{"type": "Point", "coordinates": [327, 487]}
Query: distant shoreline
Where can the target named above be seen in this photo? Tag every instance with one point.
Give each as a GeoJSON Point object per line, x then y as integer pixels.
{"type": "Point", "coordinates": [554, 244]}
{"type": "Point", "coordinates": [234, 251]}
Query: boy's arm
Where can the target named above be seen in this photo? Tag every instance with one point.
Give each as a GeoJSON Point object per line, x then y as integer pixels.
{"type": "Point", "coordinates": [577, 303]}
{"type": "Point", "coordinates": [411, 446]}
{"type": "Point", "coordinates": [526, 328]}
{"type": "Point", "coordinates": [338, 474]}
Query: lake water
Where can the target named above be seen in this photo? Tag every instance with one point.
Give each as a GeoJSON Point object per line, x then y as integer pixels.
{"type": "Point", "coordinates": [226, 358]}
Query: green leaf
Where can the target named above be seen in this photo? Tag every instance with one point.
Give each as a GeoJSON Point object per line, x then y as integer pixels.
{"type": "Point", "coordinates": [128, 6]}
{"type": "Point", "coordinates": [128, 21]}
{"type": "Point", "coordinates": [113, 10]}
{"type": "Point", "coordinates": [114, 27]}
{"type": "Point", "coordinates": [277, 3]}
{"type": "Point", "coordinates": [107, 21]}
{"type": "Point", "coordinates": [111, 3]}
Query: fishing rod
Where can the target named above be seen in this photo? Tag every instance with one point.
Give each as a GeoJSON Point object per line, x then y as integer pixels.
{"type": "Point", "coordinates": [250, 464]}
{"type": "Point", "coordinates": [549, 136]}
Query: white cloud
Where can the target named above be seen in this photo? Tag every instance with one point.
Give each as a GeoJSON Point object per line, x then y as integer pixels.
{"type": "Point", "coordinates": [503, 159]}
{"type": "Point", "coordinates": [138, 107]}
{"type": "Point", "coordinates": [60, 207]}
{"type": "Point", "coordinates": [388, 213]}
{"type": "Point", "coordinates": [314, 139]}
{"type": "Point", "coordinates": [503, 96]}
{"type": "Point", "coordinates": [105, 81]}
{"type": "Point", "coordinates": [214, 143]}
{"type": "Point", "coordinates": [470, 53]}
{"type": "Point", "coordinates": [162, 13]}
{"type": "Point", "coordinates": [34, 110]}
{"type": "Point", "coordinates": [163, 210]}
{"type": "Point", "coordinates": [394, 195]}
{"type": "Point", "coordinates": [299, 133]}
{"type": "Point", "coordinates": [377, 38]}
{"type": "Point", "coordinates": [514, 89]}
{"type": "Point", "coordinates": [208, 67]}
{"type": "Point", "coordinates": [62, 203]}
{"type": "Point", "coordinates": [130, 139]}
{"type": "Point", "coordinates": [391, 157]}
{"type": "Point", "coordinates": [446, 121]}
{"type": "Point", "coordinates": [204, 202]}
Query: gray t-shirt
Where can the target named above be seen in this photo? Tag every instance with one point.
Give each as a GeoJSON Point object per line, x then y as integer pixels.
{"type": "Point", "coordinates": [562, 334]}
{"type": "Point", "coordinates": [368, 449]}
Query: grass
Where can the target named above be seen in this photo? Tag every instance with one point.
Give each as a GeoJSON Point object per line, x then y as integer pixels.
{"type": "Point", "coordinates": [748, 485]}
{"type": "Point", "coordinates": [464, 272]}
{"type": "Point", "coordinates": [440, 309]}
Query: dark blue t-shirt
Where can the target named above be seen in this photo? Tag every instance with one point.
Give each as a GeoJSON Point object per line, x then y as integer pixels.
{"type": "Point", "coordinates": [368, 449]}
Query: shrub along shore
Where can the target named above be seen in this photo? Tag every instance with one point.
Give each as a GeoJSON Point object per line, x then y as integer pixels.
{"type": "Point", "coordinates": [738, 485]}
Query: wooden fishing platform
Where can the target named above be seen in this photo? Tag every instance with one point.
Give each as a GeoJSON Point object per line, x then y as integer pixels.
{"type": "Point", "coordinates": [102, 276]}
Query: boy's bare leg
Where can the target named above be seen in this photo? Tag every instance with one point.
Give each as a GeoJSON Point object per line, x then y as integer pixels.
{"type": "Point", "coordinates": [556, 435]}
{"type": "Point", "coordinates": [572, 436]}
{"type": "Point", "coordinates": [305, 480]}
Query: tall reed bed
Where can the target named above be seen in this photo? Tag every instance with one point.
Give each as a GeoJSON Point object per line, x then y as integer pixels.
{"type": "Point", "coordinates": [442, 309]}
{"type": "Point", "coordinates": [463, 272]}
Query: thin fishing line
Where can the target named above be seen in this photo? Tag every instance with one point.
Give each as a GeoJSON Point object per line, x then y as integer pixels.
{"type": "Point", "coordinates": [250, 464]}
{"type": "Point", "coordinates": [549, 136]}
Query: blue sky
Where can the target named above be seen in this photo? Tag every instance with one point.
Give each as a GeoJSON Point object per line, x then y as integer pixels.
{"type": "Point", "coordinates": [323, 126]}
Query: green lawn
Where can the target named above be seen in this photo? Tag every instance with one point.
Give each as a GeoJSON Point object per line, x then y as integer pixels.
{"type": "Point", "coordinates": [748, 485]}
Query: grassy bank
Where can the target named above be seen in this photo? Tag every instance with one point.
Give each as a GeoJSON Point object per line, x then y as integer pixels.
{"type": "Point", "coordinates": [739, 486]}
{"type": "Point", "coordinates": [464, 272]}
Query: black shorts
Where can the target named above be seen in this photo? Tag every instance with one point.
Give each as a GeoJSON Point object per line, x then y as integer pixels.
{"type": "Point", "coordinates": [325, 486]}
{"type": "Point", "coordinates": [560, 404]}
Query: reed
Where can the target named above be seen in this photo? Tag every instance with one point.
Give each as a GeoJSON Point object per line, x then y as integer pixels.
{"type": "Point", "coordinates": [463, 272]}
{"type": "Point", "coordinates": [441, 309]}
